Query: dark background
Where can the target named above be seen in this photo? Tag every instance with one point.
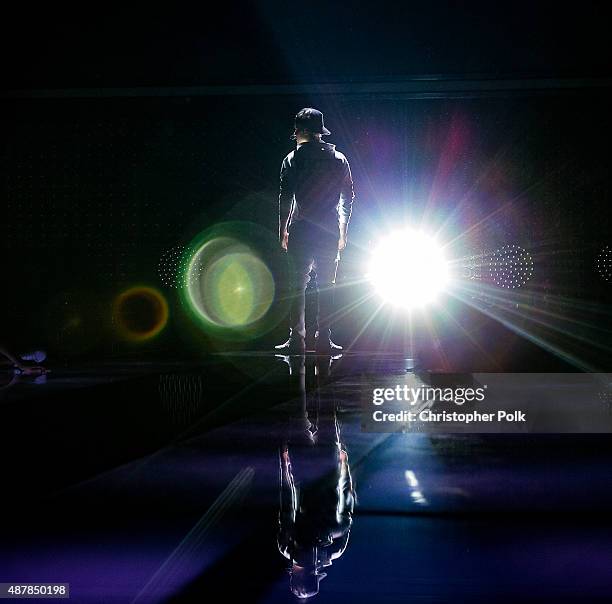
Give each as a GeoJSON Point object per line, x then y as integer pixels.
{"type": "Point", "coordinates": [124, 135]}
{"type": "Point", "coordinates": [315, 42]}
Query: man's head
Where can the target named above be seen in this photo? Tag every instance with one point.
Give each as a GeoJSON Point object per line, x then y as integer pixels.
{"type": "Point", "coordinates": [304, 582]}
{"type": "Point", "coordinates": [309, 125]}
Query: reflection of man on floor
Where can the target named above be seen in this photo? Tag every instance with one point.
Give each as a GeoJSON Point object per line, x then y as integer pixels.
{"type": "Point", "coordinates": [315, 204]}
{"type": "Point", "coordinates": [316, 489]}
{"type": "Point", "coordinates": [315, 523]}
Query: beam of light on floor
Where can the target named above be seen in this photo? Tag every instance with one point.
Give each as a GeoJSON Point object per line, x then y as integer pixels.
{"type": "Point", "coordinates": [172, 571]}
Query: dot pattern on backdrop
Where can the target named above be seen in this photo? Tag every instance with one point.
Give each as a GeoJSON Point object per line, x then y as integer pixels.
{"type": "Point", "coordinates": [603, 263]}
{"type": "Point", "coordinates": [511, 266]}
{"type": "Point", "coordinates": [99, 194]}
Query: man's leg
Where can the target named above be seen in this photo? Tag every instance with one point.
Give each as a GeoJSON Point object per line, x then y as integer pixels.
{"type": "Point", "coordinates": [325, 260]}
{"type": "Point", "coordinates": [312, 309]}
{"type": "Point", "coordinates": [301, 261]}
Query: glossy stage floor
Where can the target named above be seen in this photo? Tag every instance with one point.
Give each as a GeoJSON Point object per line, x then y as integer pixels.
{"type": "Point", "coordinates": [172, 482]}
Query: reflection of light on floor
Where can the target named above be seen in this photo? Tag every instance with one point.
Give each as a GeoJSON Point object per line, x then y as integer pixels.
{"type": "Point", "coordinates": [178, 568]}
{"type": "Point", "coordinates": [181, 395]}
{"type": "Point", "coordinates": [415, 492]}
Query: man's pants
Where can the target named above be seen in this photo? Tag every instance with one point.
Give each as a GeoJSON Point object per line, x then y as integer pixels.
{"type": "Point", "coordinates": [310, 246]}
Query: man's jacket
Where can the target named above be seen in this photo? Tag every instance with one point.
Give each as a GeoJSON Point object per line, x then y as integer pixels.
{"type": "Point", "coordinates": [316, 186]}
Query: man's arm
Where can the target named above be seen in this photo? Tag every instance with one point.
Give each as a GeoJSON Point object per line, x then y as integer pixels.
{"type": "Point", "coordinates": [285, 200]}
{"type": "Point", "coordinates": [345, 206]}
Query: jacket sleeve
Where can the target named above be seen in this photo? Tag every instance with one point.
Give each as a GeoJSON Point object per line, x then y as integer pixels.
{"type": "Point", "coordinates": [287, 190]}
{"type": "Point", "coordinates": [347, 194]}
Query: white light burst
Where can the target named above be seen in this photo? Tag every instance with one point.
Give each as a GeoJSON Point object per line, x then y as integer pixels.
{"type": "Point", "coordinates": [408, 269]}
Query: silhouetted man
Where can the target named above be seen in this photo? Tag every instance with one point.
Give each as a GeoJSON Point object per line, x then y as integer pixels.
{"type": "Point", "coordinates": [315, 204]}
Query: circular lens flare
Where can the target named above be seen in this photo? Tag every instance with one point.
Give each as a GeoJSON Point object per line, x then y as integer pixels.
{"type": "Point", "coordinates": [140, 313]}
{"type": "Point", "coordinates": [408, 269]}
{"type": "Point", "coordinates": [227, 285]}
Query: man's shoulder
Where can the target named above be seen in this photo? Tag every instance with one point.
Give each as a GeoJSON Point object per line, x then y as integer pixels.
{"type": "Point", "coordinates": [333, 151]}
{"type": "Point", "coordinates": [289, 158]}
{"type": "Point", "coordinates": [340, 156]}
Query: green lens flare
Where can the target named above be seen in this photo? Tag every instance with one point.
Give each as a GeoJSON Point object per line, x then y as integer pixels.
{"type": "Point", "coordinates": [227, 285]}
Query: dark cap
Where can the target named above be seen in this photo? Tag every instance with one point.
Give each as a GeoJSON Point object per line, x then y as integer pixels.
{"type": "Point", "coordinates": [312, 120]}
{"type": "Point", "coordinates": [304, 582]}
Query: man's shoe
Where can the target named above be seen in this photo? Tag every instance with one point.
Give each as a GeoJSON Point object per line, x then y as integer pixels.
{"type": "Point", "coordinates": [294, 345]}
{"type": "Point", "coordinates": [284, 346]}
{"type": "Point", "coordinates": [326, 346]}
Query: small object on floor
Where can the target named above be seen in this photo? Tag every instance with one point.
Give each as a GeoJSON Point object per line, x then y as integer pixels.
{"type": "Point", "coordinates": [30, 370]}
{"type": "Point", "coordinates": [37, 356]}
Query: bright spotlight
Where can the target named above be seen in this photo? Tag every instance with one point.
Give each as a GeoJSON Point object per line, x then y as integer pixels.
{"type": "Point", "coordinates": [408, 269]}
